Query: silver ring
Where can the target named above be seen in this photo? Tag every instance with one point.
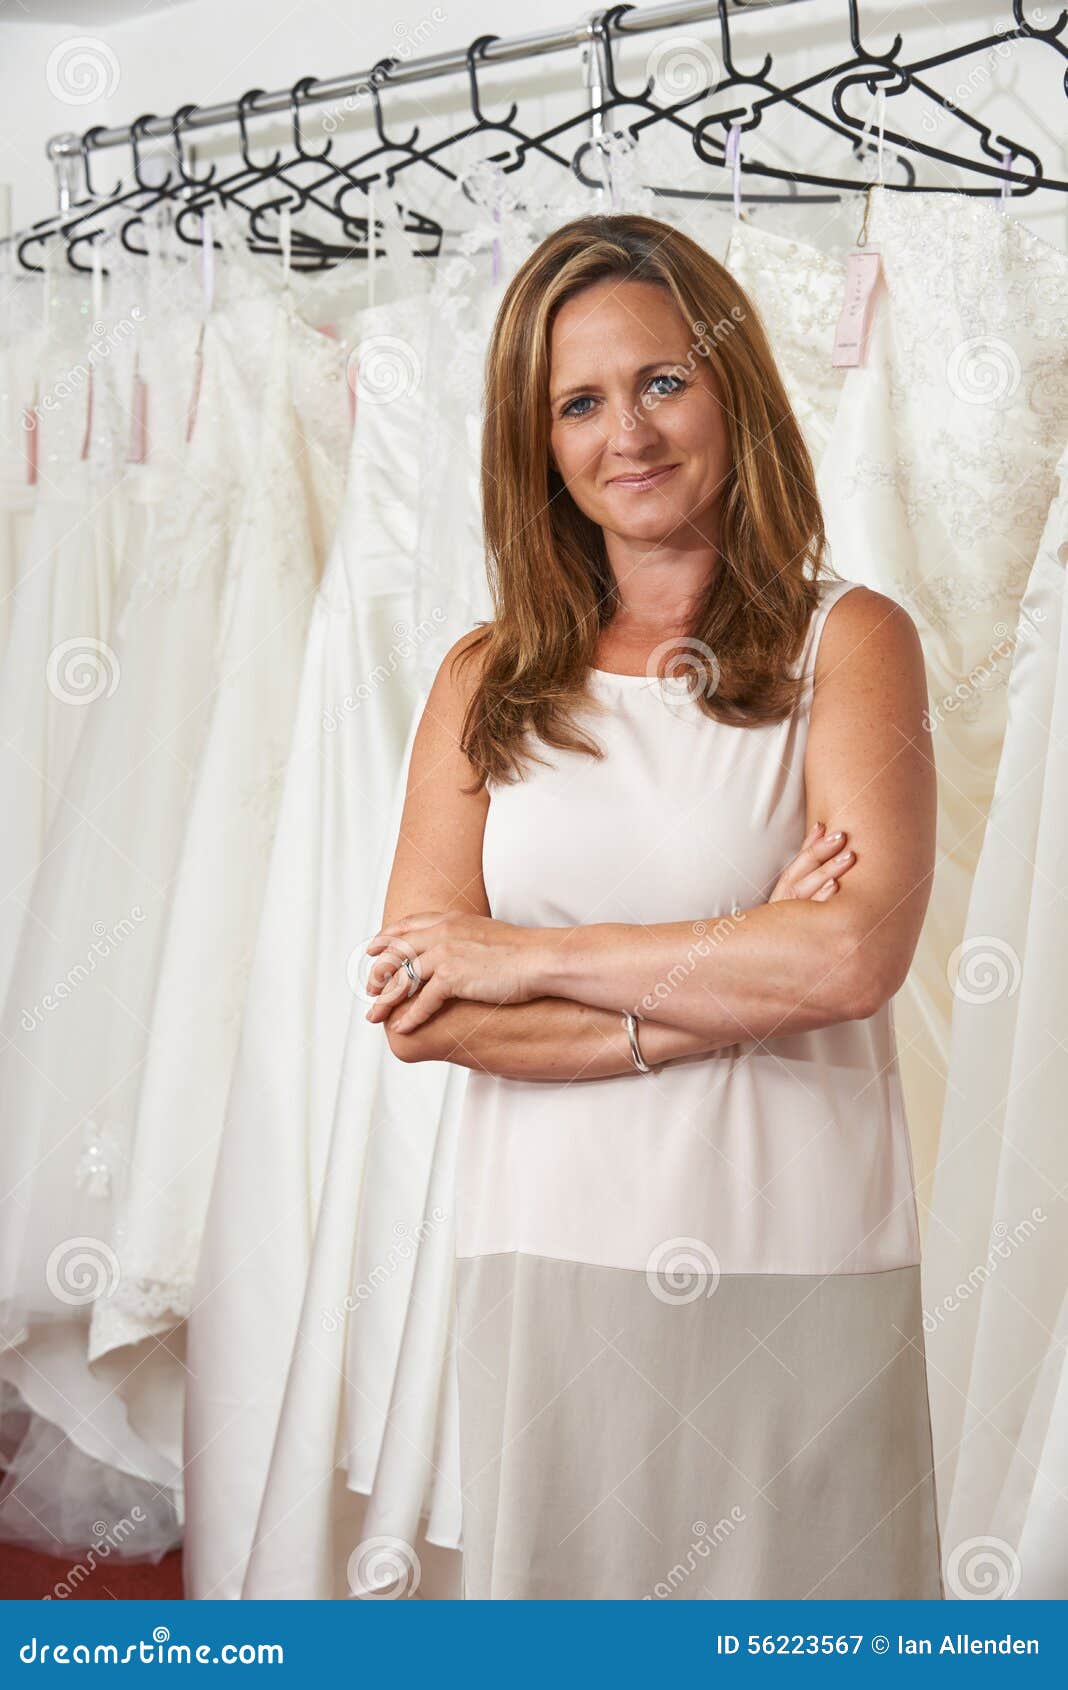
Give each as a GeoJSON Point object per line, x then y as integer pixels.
{"type": "Point", "coordinates": [409, 969]}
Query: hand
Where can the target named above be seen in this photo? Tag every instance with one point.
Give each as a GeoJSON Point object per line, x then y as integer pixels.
{"type": "Point", "coordinates": [453, 955]}
{"type": "Point", "coordinates": [816, 870]}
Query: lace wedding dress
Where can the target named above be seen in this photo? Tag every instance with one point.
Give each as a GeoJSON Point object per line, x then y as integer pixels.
{"type": "Point", "coordinates": [936, 483]}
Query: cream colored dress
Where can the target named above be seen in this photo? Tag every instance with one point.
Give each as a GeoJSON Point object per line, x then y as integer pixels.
{"type": "Point", "coordinates": [690, 1335]}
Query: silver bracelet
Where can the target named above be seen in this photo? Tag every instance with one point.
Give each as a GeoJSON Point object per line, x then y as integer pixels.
{"type": "Point", "coordinates": [630, 1022]}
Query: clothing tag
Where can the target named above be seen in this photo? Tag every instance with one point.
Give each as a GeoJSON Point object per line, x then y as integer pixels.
{"type": "Point", "coordinates": [29, 423]}
{"type": "Point", "coordinates": [858, 307]}
{"type": "Point", "coordinates": [88, 435]}
{"type": "Point", "coordinates": [138, 451]}
{"type": "Point", "coordinates": [198, 374]}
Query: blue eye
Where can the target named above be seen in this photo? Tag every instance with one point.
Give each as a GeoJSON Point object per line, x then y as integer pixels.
{"type": "Point", "coordinates": [676, 384]}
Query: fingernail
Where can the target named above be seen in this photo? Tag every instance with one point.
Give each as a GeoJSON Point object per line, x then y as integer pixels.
{"type": "Point", "coordinates": [831, 837]}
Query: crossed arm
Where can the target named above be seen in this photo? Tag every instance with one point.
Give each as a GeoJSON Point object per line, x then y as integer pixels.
{"type": "Point", "coordinates": [545, 1003]}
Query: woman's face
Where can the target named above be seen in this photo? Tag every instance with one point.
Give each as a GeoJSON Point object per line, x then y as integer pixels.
{"type": "Point", "coordinates": [638, 431]}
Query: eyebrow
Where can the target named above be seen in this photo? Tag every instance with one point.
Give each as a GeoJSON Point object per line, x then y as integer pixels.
{"type": "Point", "coordinates": [585, 386]}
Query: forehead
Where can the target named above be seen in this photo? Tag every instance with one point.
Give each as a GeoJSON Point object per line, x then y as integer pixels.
{"type": "Point", "coordinates": [618, 321]}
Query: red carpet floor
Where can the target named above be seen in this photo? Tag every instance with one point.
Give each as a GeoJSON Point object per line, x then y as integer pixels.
{"type": "Point", "coordinates": [26, 1574]}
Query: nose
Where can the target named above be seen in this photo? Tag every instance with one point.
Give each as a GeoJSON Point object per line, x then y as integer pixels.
{"type": "Point", "coordinates": [629, 428]}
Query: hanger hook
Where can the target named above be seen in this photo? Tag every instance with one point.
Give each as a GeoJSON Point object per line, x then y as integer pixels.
{"type": "Point", "coordinates": [187, 176]}
{"type": "Point", "coordinates": [733, 73]}
{"type": "Point", "coordinates": [384, 69]}
{"type": "Point", "coordinates": [137, 130]}
{"type": "Point", "coordinates": [244, 106]}
{"type": "Point", "coordinates": [601, 25]}
{"type": "Point", "coordinates": [862, 52]}
{"type": "Point", "coordinates": [295, 93]}
{"type": "Point", "coordinates": [477, 49]}
{"type": "Point", "coordinates": [1029, 29]}
{"type": "Point", "coordinates": [85, 145]}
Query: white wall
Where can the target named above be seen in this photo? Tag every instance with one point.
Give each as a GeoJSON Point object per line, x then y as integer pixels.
{"type": "Point", "coordinates": [212, 50]}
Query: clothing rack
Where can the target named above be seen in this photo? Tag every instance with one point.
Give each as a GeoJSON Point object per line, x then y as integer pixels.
{"type": "Point", "coordinates": [1003, 167]}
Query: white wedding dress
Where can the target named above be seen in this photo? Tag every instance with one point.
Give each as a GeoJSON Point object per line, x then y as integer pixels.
{"type": "Point", "coordinates": [352, 720]}
{"type": "Point", "coordinates": [62, 539]}
{"type": "Point", "coordinates": [935, 484]}
{"type": "Point", "coordinates": [88, 958]}
{"type": "Point", "coordinates": [997, 1262]}
{"type": "Point", "coordinates": [289, 517]}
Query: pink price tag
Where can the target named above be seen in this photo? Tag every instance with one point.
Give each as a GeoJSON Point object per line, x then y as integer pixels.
{"type": "Point", "coordinates": [858, 308]}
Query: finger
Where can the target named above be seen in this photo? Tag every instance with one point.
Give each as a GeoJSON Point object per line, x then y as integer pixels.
{"type": "Point", "coordinates": [383, 967]}
{"type": "Point", "coordinates": [809, 884]}
{"type": "Point", "coordinates": [827, 890]}
{"type": "Point", "coordinates": [400, 987]}
{"type": "Point", "coordinates": [426, 1003]}
{"type": "Point", "coordinates": [406, 924]}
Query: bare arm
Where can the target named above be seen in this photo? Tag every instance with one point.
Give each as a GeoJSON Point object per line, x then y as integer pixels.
{"type": "Point", "coordinates": [790, 966]}
{"type": "Point", "coordinates": [437, 865]}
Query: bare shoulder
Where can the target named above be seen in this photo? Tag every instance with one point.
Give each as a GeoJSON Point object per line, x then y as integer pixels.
{"type": "Point", "coordinates": [869, 641]}
{"type": "Point", "coordinates": [437, 743]}
{"type": "Point", "coordinates": [460, 670]}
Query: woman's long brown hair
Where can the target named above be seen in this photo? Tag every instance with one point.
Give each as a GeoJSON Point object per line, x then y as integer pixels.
{"type": "Point", "coordinates": [551, 584]}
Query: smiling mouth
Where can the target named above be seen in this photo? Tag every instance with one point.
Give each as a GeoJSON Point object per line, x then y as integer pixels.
{"type": "Point", "coordinates": [649, 478]}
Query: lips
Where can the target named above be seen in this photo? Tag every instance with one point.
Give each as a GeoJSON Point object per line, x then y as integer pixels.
{"type": "Point", "coordinates": [648, 478]}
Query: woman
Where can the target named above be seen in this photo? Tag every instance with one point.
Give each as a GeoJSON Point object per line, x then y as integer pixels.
{"type": "Point", "coordinates": [688, 1303]}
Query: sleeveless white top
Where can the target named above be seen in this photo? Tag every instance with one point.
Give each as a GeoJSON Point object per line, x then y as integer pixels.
{"type": "Point", "coordinates": [784, 1156]}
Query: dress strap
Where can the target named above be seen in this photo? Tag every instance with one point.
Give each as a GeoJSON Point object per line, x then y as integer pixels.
{"type": "Point", "coordinates": [830, 593]}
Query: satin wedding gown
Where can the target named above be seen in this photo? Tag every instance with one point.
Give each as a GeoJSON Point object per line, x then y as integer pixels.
{"type": "Point", "coordinates": [353, 716]}
{"type": "Point", "coordinates": [289, 518]}
{"type": "Point", "coordinates": [110, 857]}
{"type": "Point", "coordinates": [996, 1262]}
